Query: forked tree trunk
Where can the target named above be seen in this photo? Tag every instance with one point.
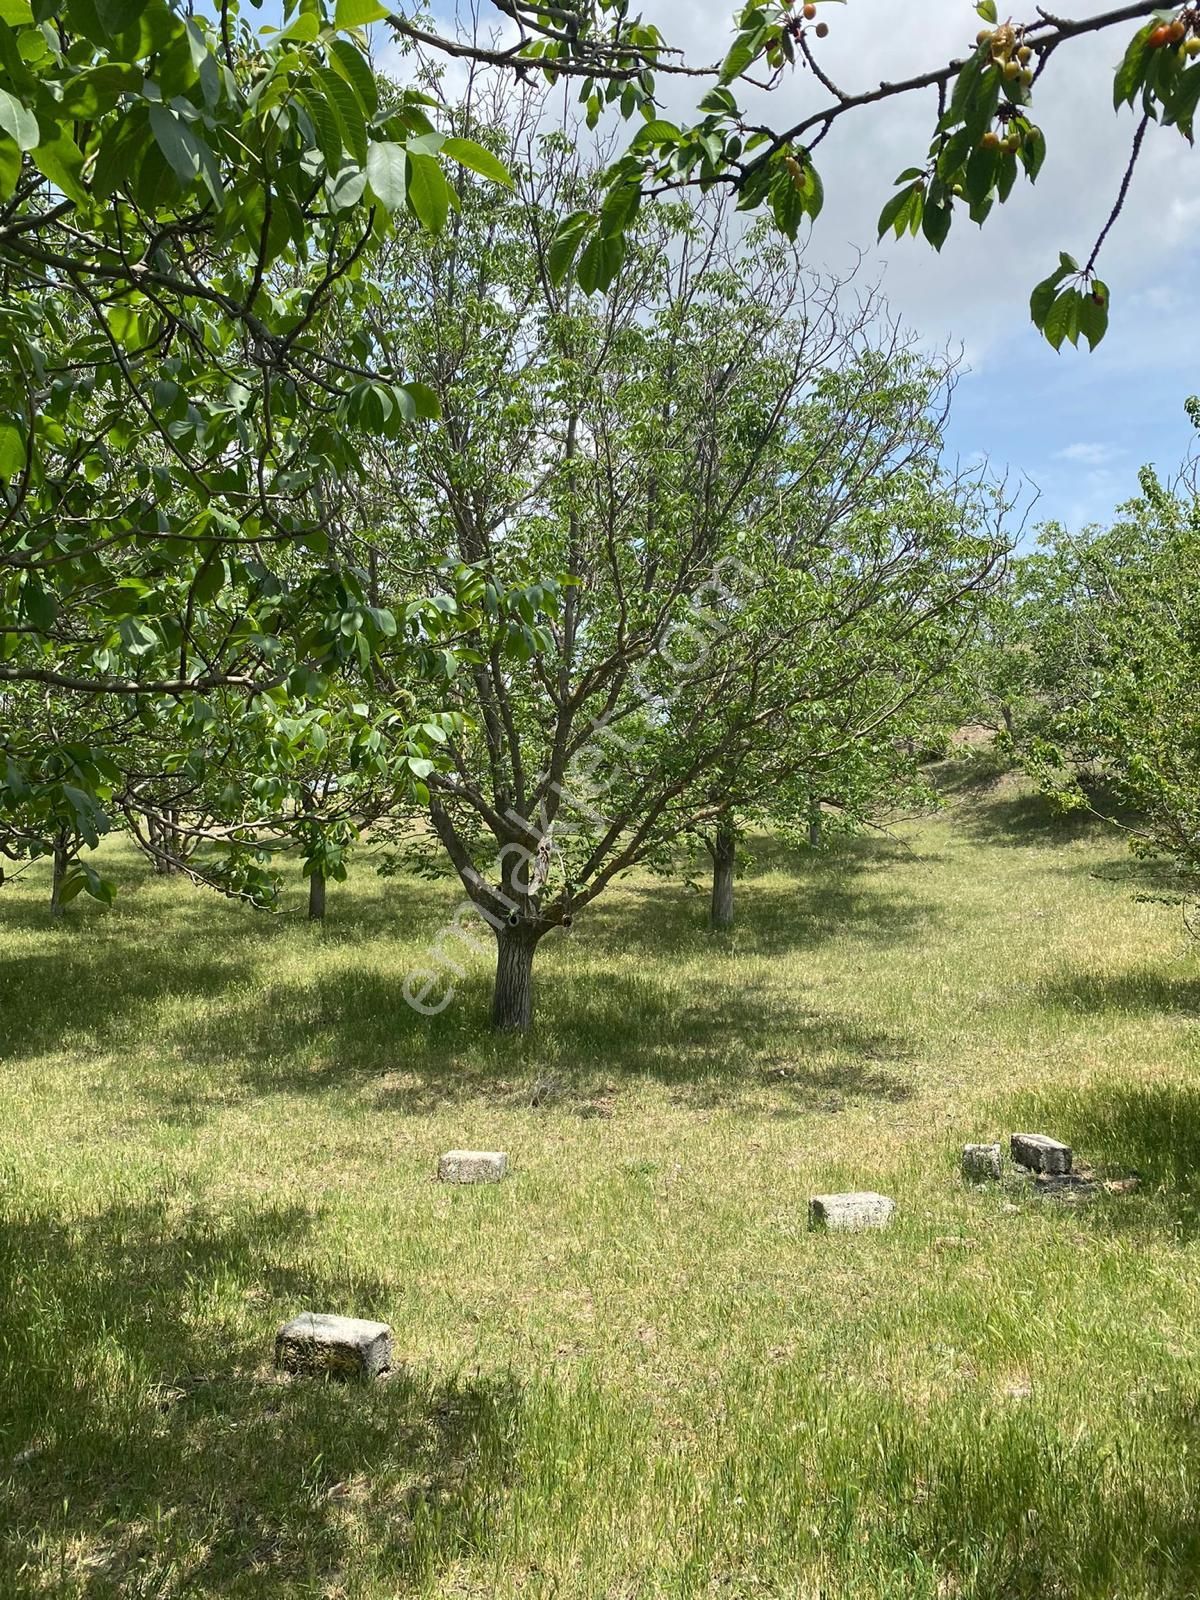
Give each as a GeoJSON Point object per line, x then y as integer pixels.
{"type": "Point", "coordinates": [512, 999]}
{"type": "Point", "coordinates": [316, 896]}
{"type": "Point", "coordinates": [62, 860]}
{"type": "Point", "coordinates": [724, 854]}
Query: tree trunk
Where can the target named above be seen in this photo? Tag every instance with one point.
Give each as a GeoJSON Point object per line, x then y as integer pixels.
{"type": "Point", "coordinates": [724, 854]}
{"type": "Point", "coordinates": [815, 824]}
{"type": "Point", "coordinates": [512, 999]}
{"type": "Point", "coordinates": [316, 896]}
{"type": "Point", "coordinates": [62, 860]}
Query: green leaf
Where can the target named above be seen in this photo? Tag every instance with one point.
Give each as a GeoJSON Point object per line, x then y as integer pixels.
{"type": "Point", "coordinates": [1062, 320]}
{"type": "Point", "coordinates": [1006, 175]}
{"type": "Point", "coordinates": [720, 101]}
{"type": "Point", "coordinates": [304, 29]}
{"type": "Point", "coordinates": [345, 188]}
{"type": "Point", "coordinates": [72, 885]}
{"type": "Point", "coordinates": [1043, 296]}
{"type": "Point", "coordinates": [742, 53]}
{"type": "Point", "coordinates": [15, 12]}
{"type": "Point", "coordinates": [954, 152]}
{"type": "Point", "coordinates": [60, 160]}
{"type": "Point", "coordinates": [386, 174]}
{"type": "Point", "coordinates": [97, 90]}
{"type": "Point", "coordinates": [138, 639]}
{"type": "Point", "coordinates": [12, 451]}
{"type": "Point", "coordinates": [903, 211]}
{"type": "Point", "coordinates": [987, 10]}
{"type": "Point", "coordinates": [186, 153]}
{"type": "Point", "coordinates": [18, 121]}
{"type": "Point", "coordinates": [812, 191]}
{"type": "Point", "coordinates": [10, 166]}
{"type": "Point", "coordinates": [980, 106]}
{"type": "Point", "coordinates": [1093, 315]}
{"type": "Point", "coordinates": [119, 16]}
{"type": "Point", "coordinates": [620, 206]}
{"type": "Point", "coordinates": [358, 13]}
{"type": "Point", "coordinates": [38, 604]}
{"type": "Point", "coordinates": [1033, 152]}
{"type": "Point", "coordinates": [935, 224]}
{"type": "Point", "coordinates": [566, 241]}
{"type": "Point", "coordinates": [348, 61]}
{"type": "Point", "coordinates": [1133, 67]}
{"type": "Point", "coordinates": [326, 129]}
{"type": "Point", "coordinates": [1181, 107]}
{"type": "Point", "coordinates": [428, 192]}
{"type": "Point", "coordinates": [469, 154]}
{"type": "Point", "coordinates": [965, 86]}
{"type": "Point", "coordinates": [418, 400]}
{"type": "Point", "coordinates": [347, 110]}
{"type": "Point", "coordinates": [600, 262]}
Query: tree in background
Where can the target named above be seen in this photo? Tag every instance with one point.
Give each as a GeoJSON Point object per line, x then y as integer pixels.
{"type": "Point", "coordinates": [866, 536]}
{"type": "Point", "coordinates": [651, 452]}
{"type": "Point", "coordinates": [1100, 666]}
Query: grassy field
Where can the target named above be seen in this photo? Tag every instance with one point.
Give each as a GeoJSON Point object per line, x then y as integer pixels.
{"type": "Point", "coordinates": [628, 1371]}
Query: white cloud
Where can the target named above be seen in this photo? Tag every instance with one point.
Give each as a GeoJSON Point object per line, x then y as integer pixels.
{"type": "Point", "coordinates": [1088, 455]}
{"type": "Point", "coordinates": [978, 287]}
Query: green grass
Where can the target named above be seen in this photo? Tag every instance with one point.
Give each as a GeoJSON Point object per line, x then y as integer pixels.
{"type": "Point", "coordinates": [629, 1371]}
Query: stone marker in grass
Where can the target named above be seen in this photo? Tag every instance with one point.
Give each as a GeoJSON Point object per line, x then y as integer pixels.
{"type": "Point", "coordinates": [1040, 1153]}
{"type": "Point", "coordinates": [472, 1166]}
{"type": "Point", "coordinates": [318, 1345]}
{"type": "Point", "coordinates": [980, 1162]}
{"type": "Point", "coordinates": [847, 1211]}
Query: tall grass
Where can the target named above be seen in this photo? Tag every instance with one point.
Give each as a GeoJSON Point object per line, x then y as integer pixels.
{"type": "Point", "coordinates": [629, 1370]}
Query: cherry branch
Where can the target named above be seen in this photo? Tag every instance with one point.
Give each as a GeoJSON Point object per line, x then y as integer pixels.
{"type": "Point", "coordinates": [1122, 193]}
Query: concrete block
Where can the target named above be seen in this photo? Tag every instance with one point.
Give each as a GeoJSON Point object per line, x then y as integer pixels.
{"type": "Point", "coordinates": [1040, 1153]}
{"type": "Point", "coordinates": [472, 1166]}
{"type": "Point", "coordinates": [319, 1345]}
{"type": "Point", "coordinates": [980, 1162]}
{"type": "Point", "coordinates": [850, 1211]}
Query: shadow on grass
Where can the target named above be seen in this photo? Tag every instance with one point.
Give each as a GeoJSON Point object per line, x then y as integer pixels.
{"type": "Point", "coordinates": [771, 920]}
{"type": "Point", "coordinates": [342, 1022]}
{"type": "Point", "coordinates": [148, 1445]}
{"type": "Point", "coordinates": [1028, 819]}
{"type": "Point", "coordinates": [349, 1029]}
{"type": "Point", "coordinates": [1009, 810]}
{"type": "Point", "coordinates": [1142, 991]}
{"type": "Point", "coordinates": [1026, 1514]}
{"type": "Point", "coordinates": [1122, 1129]}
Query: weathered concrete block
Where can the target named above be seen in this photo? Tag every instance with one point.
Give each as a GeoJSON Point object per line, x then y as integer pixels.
{"type": "Point", "coordinates": [316, 1345]}
{"type": "Point", "coordinates": [865, 1210]}
{"type": "Point", "coordinates": [1040, 1153]}
{"type": "Point", "coordinates": [472, 1166]}
{"type": "Point", "coordinates": [980, 1162]}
